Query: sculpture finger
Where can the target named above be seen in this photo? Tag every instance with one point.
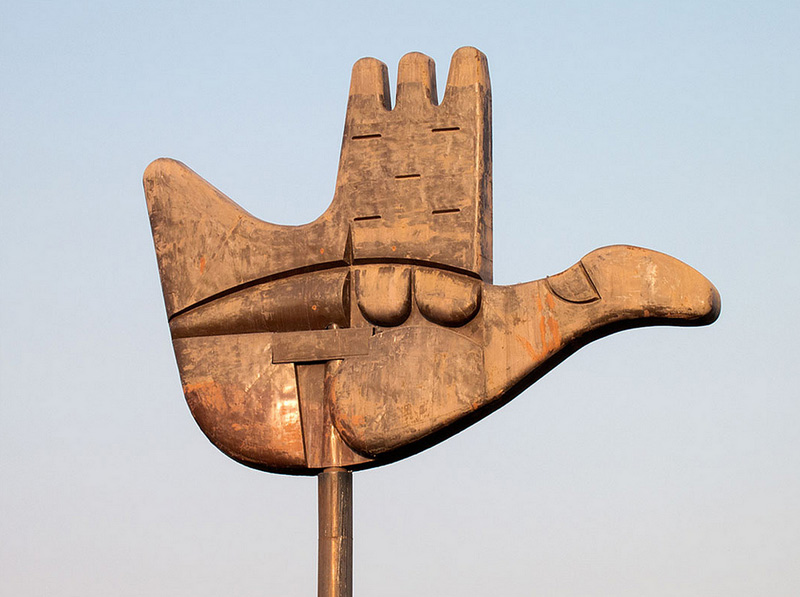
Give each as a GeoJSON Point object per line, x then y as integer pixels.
{"type": "Point", "coordinates": [369, 91]}
{"type": "Point", "coordinates": [468, 78]}
{"type": "Point", "coordinates": [416, 83]}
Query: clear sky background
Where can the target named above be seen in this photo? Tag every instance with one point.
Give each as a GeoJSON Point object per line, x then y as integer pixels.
{"type": "Point", "coordinates": [662, 461]}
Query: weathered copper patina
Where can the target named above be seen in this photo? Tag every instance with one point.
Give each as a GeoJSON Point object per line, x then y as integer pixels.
{"type": "Point", "coordinates": [375, 331]}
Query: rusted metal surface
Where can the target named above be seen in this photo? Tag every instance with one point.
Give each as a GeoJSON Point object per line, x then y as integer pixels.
{"type": "Point", "coordinates": [375, 331]}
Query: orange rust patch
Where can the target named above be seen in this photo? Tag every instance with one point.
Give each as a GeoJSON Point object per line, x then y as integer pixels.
{"type": "Point", "coordinates": [202, 264]}
{"type": "Point", "coordinates": [555, 334]}
{"type": "Point", "coordinates": [201, 387]}
{"type": "Point", "coordinates": [358, 421]}
{"type": "Point", "coordinates": [528, 347]}
{"type": "Point", "coordinates": [209, 395]}
{"type": "Point", "coordinates": [549, 332]}
{"type": "Point", "coordinates": [540, 320]}
{"type": "Point", "coordinates": [322, 251]}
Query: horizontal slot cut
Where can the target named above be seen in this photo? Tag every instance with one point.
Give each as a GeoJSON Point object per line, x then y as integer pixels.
{"type": "Point", "coordinates": [362, 218]}
{"type": "Point", "coordinates": [446, 129]}
{"type": "Point", "coordinates": [452, 210]}
{"type": "Point", "coordinates": [370, 136]}
{"type": "Point", "coordinates": [402, 176]}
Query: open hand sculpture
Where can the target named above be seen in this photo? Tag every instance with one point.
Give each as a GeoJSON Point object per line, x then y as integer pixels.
{"type": "Point", "coordinates": [375, 331]}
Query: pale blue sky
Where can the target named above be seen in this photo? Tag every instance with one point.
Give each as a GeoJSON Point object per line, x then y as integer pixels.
{"type": "Point", "coordinates": [655, 462]}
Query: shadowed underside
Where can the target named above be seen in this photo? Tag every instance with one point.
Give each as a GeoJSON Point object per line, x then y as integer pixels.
{"type": "Point", "coordinates": [374, 331]}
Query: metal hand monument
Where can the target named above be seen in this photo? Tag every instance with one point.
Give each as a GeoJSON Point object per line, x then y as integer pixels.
{"type": "Point", "coordinates": [375, 331]}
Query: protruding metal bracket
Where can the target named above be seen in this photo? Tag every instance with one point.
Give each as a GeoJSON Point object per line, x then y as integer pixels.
{"type": "Point", "coordinates": [320, 345]}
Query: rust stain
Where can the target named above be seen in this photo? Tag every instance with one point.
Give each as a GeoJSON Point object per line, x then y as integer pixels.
{"type": "Point", "coordinates": [528, 347]}
{"type": "Point", "coordinates": [322, 251]}
{"type": "Point", "coordinates": [549, 332]}
{"type": "Point", "coordinates": [201, 387]}
{"type": "Point", "coordinates": [540, 320]}
{"type": "Point", "coordinates": [211, 396]}
{"type": "Point", "coordinates": [202, 264]}
{"type": "Point", "coordinates": [555, 334]}
{"type": "Point", "coordinates": [358, 421]}
{"type": "Point", "coordinates": [207, 392]}
{"type": "Point", "coordinates": [552, 340]}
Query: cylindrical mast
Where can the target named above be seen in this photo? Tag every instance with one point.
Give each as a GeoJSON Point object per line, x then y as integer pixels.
{"type": "Point", "coordinates": [335, 564]}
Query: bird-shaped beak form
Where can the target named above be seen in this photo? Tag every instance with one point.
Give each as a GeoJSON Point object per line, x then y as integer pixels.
{"type": "Point", "coordinates": [375, 331]}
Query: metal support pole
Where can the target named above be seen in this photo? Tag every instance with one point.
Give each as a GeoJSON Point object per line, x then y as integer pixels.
{"type": "Point", "coordinates": [335, 564]}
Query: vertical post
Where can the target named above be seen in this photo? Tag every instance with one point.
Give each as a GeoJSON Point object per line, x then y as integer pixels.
{"type": "Point", "coordinates": [335, 564]}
